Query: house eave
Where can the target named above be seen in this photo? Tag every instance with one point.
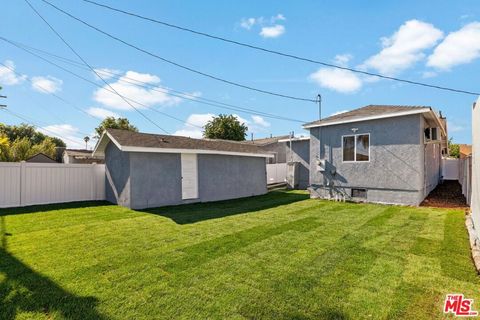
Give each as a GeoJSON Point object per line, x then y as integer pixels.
{"type": "Point", "coordinates": [390, 115]}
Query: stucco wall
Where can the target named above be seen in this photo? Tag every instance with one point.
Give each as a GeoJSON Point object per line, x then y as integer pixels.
{"type": "Point", "coordinates": [145, 180]}
{"type": "Point", "coordinates": [395, 171]}
{"type": "Point", "coordinates": [300, 152]}
{"type": "Point", "coordinates": [227, 177]}
{"type": "Point", "coordinates": [117, 175]}
{"type": "Point", "coordinates": [156, 179]}
{"type": "Point", "coordinates": [278, 149]}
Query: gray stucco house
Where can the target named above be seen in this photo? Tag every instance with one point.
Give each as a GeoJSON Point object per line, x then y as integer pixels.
{"type": "Point", "coordinates": [273, 145]}
{"type": "Point", "coordinates": [378, 153]}
{"type": "Point", "coordinates": [150, 170]}
{"type": "Point", "coordinates": [297, 153]}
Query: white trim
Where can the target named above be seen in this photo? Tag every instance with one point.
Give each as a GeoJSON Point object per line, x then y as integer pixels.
{"type": "Point", "coordinates": [97, 152]}
{"type": "Point", "coordinates": [197, 151]}
{"type": "Point", "coordinates": [355, 147]}
{"type": "Point", "coordinates": [294, 139]}
{"type": "Point", "coordinates": [383, 116]}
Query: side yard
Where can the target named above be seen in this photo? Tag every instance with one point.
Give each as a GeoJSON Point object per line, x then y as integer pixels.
{"type": "Point", "coordinates": [277, 256]}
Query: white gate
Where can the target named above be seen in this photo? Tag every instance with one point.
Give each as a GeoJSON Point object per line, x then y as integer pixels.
{"type": "Point", "coordinates": [276, 173]}
{"type": "Point", "coordinates": [450, 169]}
{"type": "Point", "coordinates": [24, 184]}
{"type": "Point", "coordinates": [189, 176]}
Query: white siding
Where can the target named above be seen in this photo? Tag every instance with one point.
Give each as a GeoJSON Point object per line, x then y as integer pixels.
{"type": "Point", "coordinates": [23, 184]}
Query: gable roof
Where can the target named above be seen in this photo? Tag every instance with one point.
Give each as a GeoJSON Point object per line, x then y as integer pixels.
{"type": "Point", "coordinates": [267, 141]}
{"type": "Point", "coordinates": [40, 157]}
{"type": "Point", "coordinates": [129, 141]}
{"type": "Point", "coordinates": [369, 112]}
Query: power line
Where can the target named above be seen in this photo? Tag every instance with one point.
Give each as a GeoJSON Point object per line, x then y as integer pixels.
{"type": "Point", "coordinates": [101, 87]}
{"type": "Point", "coordinates": [279, 53]}
{"type": "Point", "coordinates": [92, 69]}
{"type": "Point", "coordinates": [22, 117]}
{"type": "Point", "coordinates": [168, 91]}
{"type": "Point", "coordinates": [176, 63]}
{"type": "Point", "coordinates": [51, 93]}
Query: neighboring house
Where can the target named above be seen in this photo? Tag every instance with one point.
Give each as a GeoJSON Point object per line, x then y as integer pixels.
{"type": "Point", "coordinates": [298, 154]}
{"type": "Point", "coordinates": [80, 156]}
{"type": "Point", "coordinates": [150, 170]}
{"type": "Point", "coordinates": [386, 154]}
{"type": "Point", "coordinates": [40, 158]}
{"type": "Point", "coordinates": [465, 150]}
{"type": "Point", "coordinates": [274, 146]}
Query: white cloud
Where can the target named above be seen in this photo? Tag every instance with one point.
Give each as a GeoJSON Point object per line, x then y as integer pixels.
{"type": "Point", "coordinates": [338, 112]}
{"type": "Point", "coordinates": [404, 48]}
{"type": "Point", "coordinates": [126, 87]}
{"type": "Point", "coordinates": [459, 47]}
{"type": "Point", "coordinates": [269, 27]}
{"type": "Point", "coordinates": [342, 59]}
{"type": "Point", "coordinates": [193, 127]}
{"type": "Point", "coordinates": [7, 75]}
{"type": "Point", "coordinates": [101, 113]}
{"type": "Point", "coordinates": [248, 23]}
{"type": "Point", "coordinates": [66, 132]}
{"type": "Point", "coordinates": [106, 73]}
{"type": "Point", "coordinates": [428, 74]}
{"type": "Point", "coordinates": [453, 127]}
{"type": "Point", "coordinates": [260, 121]}
{"type": "Point", "coordinates": [272, 32]}
{"type": "Point", "coordinates": [46, 84]}
{"type": "Point", "coordinates": [343, 81]}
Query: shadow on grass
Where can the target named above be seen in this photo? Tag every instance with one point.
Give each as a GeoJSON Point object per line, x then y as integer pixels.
{"type": "Point", "coordinates": [52, 207]}
{"type": "Point", "coordinates": [192, 213]}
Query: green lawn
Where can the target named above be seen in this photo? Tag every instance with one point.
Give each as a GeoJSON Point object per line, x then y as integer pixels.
{"type": "Point", "coordinates": [278, 256]}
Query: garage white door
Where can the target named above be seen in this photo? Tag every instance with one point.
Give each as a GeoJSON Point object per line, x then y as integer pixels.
{"type": "Point", "coordinates": [189, 176]}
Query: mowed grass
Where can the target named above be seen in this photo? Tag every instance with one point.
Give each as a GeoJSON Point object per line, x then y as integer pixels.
{"type": "Point", "coordinates": [278, 256]}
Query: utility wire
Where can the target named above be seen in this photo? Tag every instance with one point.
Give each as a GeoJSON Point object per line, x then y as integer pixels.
{"type": "Point", "coordinates": [279, 53]}
{"type": "Point", "coordinates": [101, 87]}
{"type": "Point", "coordinates": [91, 68]}
{"type": "Point", "coordinates": [51, 93]}
{"type": "Point", "coordinates": [176, 63]}
{"type": "Point", "coordinates": [22, 117]}
{"type": "Point", "coordinates": [126, 79]}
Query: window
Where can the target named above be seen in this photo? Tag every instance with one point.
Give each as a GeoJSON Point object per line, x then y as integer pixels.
{"type": "Point", "coordinates": [434, 134]}
{"type": "Point", "coordinates": [359, 193]}
{"type": "Point", "coordinates": [428, 137]}
{"type": "Point", "coordinates": [356, 147]}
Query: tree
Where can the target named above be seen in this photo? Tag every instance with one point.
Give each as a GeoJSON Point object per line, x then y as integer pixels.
{"type": "Point", "coordinates": [21, 149]}
{"type": "Point", "coordinates": [453, 148]}
{"type": "Point", "coordinates": [114, 123]}
{"type": "Point", "coordinates": [86, 139]}
{"type": "Point", "coordinates": [27, 131]}
{"type": "Point", "coordinates": [47, 147]}
{"type": "Point", "coordinates": [5, 151]}
{"type": "Point", "coordinates": [225, 127]}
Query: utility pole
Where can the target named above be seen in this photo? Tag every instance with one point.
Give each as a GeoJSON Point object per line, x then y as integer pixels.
{"type": "Point", "coordinates": [319, 100]}
{"type": "Point", "coordinates": [3, 105]}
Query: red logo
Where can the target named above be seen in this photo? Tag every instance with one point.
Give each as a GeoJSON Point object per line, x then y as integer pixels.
{"type": "Point", "coordinates": [459, 306]}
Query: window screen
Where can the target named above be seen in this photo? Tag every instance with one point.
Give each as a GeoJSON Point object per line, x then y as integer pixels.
{"type": "Point", "coordinates": [363, 146]}
{"type": "Point", "coordinates": [349, 148]}
{"type": "Point", "coordinates": [359, 193]}
{"type": "Point", "coordinates": [434, 134]}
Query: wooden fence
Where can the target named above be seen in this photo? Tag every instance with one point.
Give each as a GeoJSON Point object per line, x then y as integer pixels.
{"type": "Point", "coordinates": [24, 184]}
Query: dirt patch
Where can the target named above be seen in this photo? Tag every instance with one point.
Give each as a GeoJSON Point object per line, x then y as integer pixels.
{"type": "Point", "coordinates": [446, 195]}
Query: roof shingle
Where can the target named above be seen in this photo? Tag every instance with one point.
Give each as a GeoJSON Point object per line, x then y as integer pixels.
{"type": "Point", "coordinates": [147, 140]}
{"type": "Point", "coordinates": [367, 111]}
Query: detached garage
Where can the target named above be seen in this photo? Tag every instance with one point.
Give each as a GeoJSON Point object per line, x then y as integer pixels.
{"type": "Point", "coordinates": [150, 170]}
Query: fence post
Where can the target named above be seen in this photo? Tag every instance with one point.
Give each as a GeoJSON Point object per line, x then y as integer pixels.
{"type": "Point", "coordinates": [23, 182]}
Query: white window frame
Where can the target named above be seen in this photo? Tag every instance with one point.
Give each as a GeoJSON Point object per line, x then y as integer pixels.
{"type": "Point", "coordinates": [355, 147]}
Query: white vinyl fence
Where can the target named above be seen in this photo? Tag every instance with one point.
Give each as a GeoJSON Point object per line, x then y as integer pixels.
{"type": "Point", "coordinates": [450, 169]}
{"type": "Point", "coordinates": [24, 184]}
{"type": "Point", "coordinates": [465, 177]}
{"type": "Point", "coordinates": [276, 173]}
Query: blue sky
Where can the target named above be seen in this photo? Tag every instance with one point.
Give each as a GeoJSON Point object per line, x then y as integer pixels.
{"type": "Point", "coordinates": [430, 41]}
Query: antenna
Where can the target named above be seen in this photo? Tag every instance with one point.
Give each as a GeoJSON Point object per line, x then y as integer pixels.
{"type": "Point", "coordinates": [319, 101]}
